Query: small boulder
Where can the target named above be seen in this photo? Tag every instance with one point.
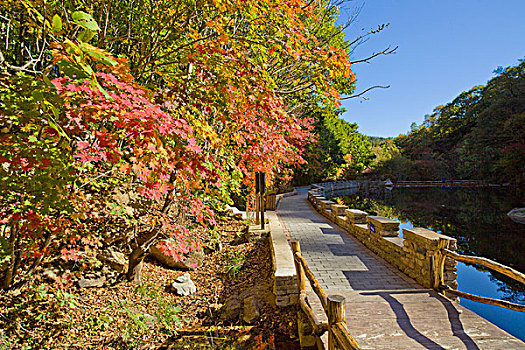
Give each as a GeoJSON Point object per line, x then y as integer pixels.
{"type": "Point", "coordinates": [51, 274]}
{"type": "Point", "coordinates": [231, 308]}
{"type": "Point", "coordinates": [90, 281]}
{"type": "Point", "coordinates": [183, 285]}
{"type": "Point", "coordinates": [250, 311]}
{"type": "Point", "coordinates": [212, 247]}
{"type": "Point", "coordinates": [114, 259]}
{"type": "Point", "coordinates": [214, 310]}
{"type": "Point", "coordinates": [193, 259]}
{"type": "Point", "coordinates": [517, 215]}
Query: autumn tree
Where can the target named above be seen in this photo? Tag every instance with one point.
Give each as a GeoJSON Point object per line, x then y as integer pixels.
{"type": "Point", "coordinates": [204, 94]}
{"type": "Point", "coordinates": [478, 135]}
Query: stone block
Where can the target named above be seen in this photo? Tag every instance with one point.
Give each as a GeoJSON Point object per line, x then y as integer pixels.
{"type": "Point", "coordinates": [450, 275]}
{"type": "Point", "coordinates": [361, 229]}
{"type": "Point", "coordinates": [356, 216]}
{"type": "Point", "coordinates": [422, 237]}
{"type": "Point", "coordinates": [318, 200]}
{"type": "Point", "coordinates": [283, 263]}
{"type": "Point", "coordinates": [283, 300]}
{"type": "Point", "coordinates": [341, 221]}
{"type": "Point", "coordinates": [305, 331]}
{"type": "Point", "coordinates": [325, 204]}
{"type": "Point", "coordinates": [450, 263]}
{"type": "Point", "coordinates": [383, 226]}
{"type": "Point", "coordinates": [338, 209]}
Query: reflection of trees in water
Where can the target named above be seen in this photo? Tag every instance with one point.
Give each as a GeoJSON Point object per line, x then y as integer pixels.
{"type": "Point", "coordinates": [509, 289]}
{"type": "Point", "coordinates": [476, 217]}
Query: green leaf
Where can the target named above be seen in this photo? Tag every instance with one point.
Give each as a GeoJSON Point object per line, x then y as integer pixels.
{"type": "Point", "coordinates": [85, 21]}
{"type": "Point", "coordinates": [86, 68]}
{"type": "Point", "coordinates": [101, 89]}
{"type": "Point", "coordinates": [85, 35]}
{"type": "Point", "coordinates": [71, 70]}
{"type": "Point", "coordinates": [47, 81]}
{"type": "Point", "coordinates": [100, 56]}
{"type": "Point", "coordinates": [57, 24]}
{"type": "Point", "coordinates": [53, 123]}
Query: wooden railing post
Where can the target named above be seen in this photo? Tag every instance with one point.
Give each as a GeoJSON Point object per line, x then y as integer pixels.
{"type": "Point", "coordinates": [334, 307]}
{"type": "Point", "coordinates": [438, 265]}
{"type": "Point", "coordinates": [336, 312]}
{"type": "Point", "coordinates": [296, 248]}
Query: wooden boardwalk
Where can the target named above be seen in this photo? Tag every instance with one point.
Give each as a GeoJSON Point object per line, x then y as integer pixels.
{"type": "Point", "coordinates": [385, 309]}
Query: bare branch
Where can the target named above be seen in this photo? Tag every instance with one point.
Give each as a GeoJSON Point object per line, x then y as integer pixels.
{"type": "Point", "coordinates": [386, 51]}
{"type": "Point", "coordinates": [365, 91]}
{"type": "Point", "coordinates": [283, 92]}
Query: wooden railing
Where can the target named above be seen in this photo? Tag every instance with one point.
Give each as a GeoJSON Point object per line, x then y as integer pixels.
{"type": "Point", "coordinates": [439, 183]}
{"type": "Point", "coordinates": [438, 266]}
{"type": "Point", "coordinates": [333, 306]}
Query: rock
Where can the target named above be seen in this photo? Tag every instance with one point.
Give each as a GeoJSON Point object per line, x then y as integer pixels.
{"type": "Point", "coordinates": [92, 281]}
{"type": "Point", "coordinates": [243, 237]}
{"type": "Point", "coordinates": [236, 213]}
{"type": "Point", "coordinates": [250, 312]}
{"type": "Point", "coordinates": [450, 263]}
{"type": "Point", "coordinates": [212, 247]}
{"type": "Point", "coordinates": [305, 330]}
{"type": "Point", "coordinates": [193, 259]}
{"type": "Point", "coordinates": [517, 215]}
{"type": "Point", "coordinates": [231, 308]}
{"type": "Point", "coordinates": [183, 285]}
{"type": "Point", "coordinates": [114, 259]}
{"type": "Point", "coordinates": [51, 274]}
{"type": "Point", "coordinates": [184, 278]}
{"type": "Point", "coordinates": [214, 310]}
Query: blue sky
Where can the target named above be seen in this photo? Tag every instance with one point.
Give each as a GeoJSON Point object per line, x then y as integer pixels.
{"type": "Point", "coordinates": [445, 47]}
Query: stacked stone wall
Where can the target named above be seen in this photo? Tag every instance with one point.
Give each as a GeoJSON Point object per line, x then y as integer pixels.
{"type": "Point", "coordinates": [285, 277]}
{"type": "Point", "coordinates": [412, 254]}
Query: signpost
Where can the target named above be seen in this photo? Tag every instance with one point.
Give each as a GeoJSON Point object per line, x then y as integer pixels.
{"type": "Point", "coordinates": [260, 191]}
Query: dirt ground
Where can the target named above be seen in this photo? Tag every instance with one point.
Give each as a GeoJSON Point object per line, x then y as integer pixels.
{"type": "Point", "coordinates": [152, 316]}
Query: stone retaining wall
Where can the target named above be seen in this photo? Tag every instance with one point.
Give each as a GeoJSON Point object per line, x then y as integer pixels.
{"type": "Point", "coordinates": [412, 254]}
{"type": "Point", "coordinates": [284, 195]}
{"type": "Point", "coordinates": [285, 281]}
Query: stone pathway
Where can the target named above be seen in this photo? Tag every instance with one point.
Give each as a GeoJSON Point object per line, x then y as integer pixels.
{"type": "Point", "coordinates": [385, 309]}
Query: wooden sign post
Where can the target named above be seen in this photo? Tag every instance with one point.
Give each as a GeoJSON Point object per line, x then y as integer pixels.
{"type": "Point", "coordinates": [260, 191]}
{"type": "Point", "coordinates": [257, 195]}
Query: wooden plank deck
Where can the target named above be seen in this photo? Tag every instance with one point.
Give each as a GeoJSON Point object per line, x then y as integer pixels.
{"type": "Point", "coordinates": [385, 309]}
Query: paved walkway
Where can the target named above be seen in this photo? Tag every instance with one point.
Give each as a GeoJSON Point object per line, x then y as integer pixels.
{"type": "Point", "coordinates": [385, 309]}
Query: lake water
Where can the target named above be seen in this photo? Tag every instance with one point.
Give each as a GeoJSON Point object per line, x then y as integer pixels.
{"type": "Point", "coordinates": [477, 218]}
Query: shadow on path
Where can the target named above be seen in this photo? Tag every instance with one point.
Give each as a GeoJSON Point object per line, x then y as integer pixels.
{"type": "Point", "coordinates": [403, 320]}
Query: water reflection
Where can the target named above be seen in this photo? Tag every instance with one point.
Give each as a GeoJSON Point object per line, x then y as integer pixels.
{"type": "Point", "coordinates": [476, 217]}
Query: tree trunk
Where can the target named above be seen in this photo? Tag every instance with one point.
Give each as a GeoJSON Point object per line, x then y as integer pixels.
{"type": "Point", "coordinates": [144, 242]}
{"type": "Point", "coordinates": [135, 264]}
{"type": "Point", "coordinates": [138, 254]}
{"type": "Point", "coordinates": [14, 242]}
